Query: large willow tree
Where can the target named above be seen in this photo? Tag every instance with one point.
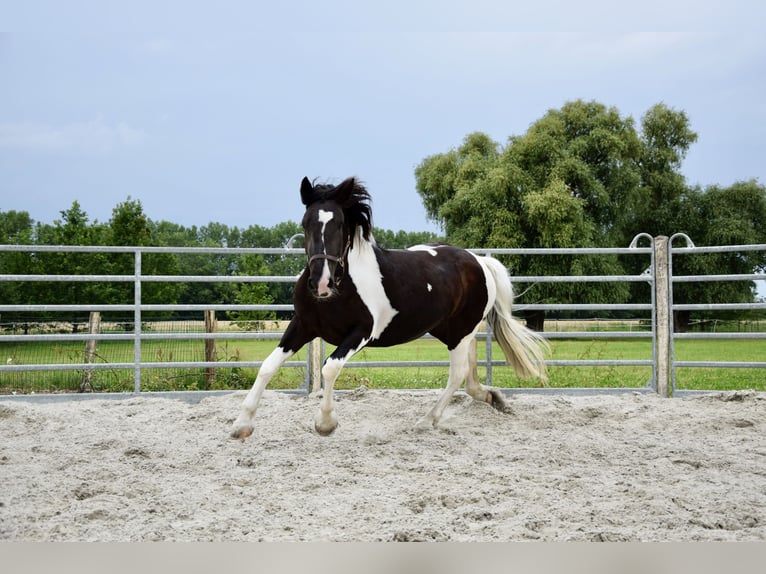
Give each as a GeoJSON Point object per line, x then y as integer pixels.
{"type": "Point", "coordinates": [573, 180]}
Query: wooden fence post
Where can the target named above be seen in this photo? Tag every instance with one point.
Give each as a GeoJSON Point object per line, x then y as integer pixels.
{"type": "Point", "coordinates": [211, 354]}
{"type": "Point", "coordinates": [94, 328]}
{"type": "Point", "coordinates": [662, 301]}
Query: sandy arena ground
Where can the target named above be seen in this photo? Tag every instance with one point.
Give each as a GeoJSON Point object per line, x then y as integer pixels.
{"type": "Point", "coordinates": [618, 467]}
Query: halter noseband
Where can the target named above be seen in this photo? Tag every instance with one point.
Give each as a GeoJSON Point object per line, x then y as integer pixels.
{"type": "Point", "coordinates": [339, 260]}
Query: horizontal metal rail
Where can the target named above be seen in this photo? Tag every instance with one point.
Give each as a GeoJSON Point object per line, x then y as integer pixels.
{"type": "Point", "coordinates": [145, 364]}
{"type": "Point", "coordinates": [733, 277]}
{"type": "Point", "coordinates": [581, 279]}
{"type": "Point", "coordinates": [147, 249]}
{"type": "Point", "coordinates": [584, 307]}
{"type": "Point", "coordinates": [719, 307]}
{"type": "Point", "coordinates": [718, 248]}
{"type": "Point", "coordinates": [151, 278]}
{"type": "Point", "coordinates": [125, 308]}
{"type": "Point", "coordinates": [564, 251]}
{"type": "Point", "coordinates": [499, 363]}
{"type": "Point", "coordinates": [598, 334]}
{"type": "Point", "coordinates": [723, 364]}
{"type": "Point", "coordinates": [720, 335]}
{"type": "Point", "coordinates": [145, 336]}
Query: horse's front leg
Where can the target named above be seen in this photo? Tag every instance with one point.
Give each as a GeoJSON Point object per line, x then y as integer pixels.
{"type": "Point", "coordinates": [326, 420]}
{"type": "Point", "coordinates": [293, 339]}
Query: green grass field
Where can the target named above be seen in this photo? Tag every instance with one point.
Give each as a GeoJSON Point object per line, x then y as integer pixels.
{"type": "Point", "coordinates": [116, 380]}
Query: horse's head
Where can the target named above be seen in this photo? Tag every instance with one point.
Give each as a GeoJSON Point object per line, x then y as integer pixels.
{"type": "Point", "coordinates": [333, 214]}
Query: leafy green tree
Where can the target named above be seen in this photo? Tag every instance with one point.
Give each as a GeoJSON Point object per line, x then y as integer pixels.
{"type": "Point", "coordinates": [211, 235]}
{"type": "Point", "coordinates": [16, 228]}
{"type": "Point", "coordinates": [559, 185]}
{"type": "Point", "coordinates": [711, 216]}
{"type": "Point", "coordinates": [168, 234]}
{"type": "Point", "coordinates": [734, 215]}
{"type": "Point", "coordinates": [130, 226]}
{"type": "Point", "coordinates": [583, 176]}
{"type": "Point", "coordinates": [666, 137]}
{"type": "Point", "coordinates": [281, 265]}
{"type": "Point", "coordinates": [593, 151]}
{"type": "Point", "coordinates": [252, 293]}
{"type": "Point", "coordinates": [74, 228]}
{"type": "Point", "coordinates": [389, 239]}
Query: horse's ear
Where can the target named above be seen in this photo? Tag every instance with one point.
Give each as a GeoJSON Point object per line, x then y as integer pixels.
{"type": "Point", "coordinates": [344, 191]}
{"type": "Point", "coordinates": [307, 192]}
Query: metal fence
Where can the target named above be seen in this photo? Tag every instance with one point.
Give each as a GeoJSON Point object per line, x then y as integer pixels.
{"type": "Point", "coordinates": [658, 253]}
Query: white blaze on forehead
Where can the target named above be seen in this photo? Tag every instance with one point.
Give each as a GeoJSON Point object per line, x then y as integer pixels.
{"type": "Point", "coordinates": [429, 286]}
{"type": "Point", "coordinates": [324, 217]}
{"type": "Point", "coordinates": [428, 248]}
{"type": "Point", "coordinates": [324, 281]}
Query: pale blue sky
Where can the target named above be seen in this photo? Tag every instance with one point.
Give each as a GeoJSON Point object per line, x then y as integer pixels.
{"type": "Point", "coordinates": [214, 111]}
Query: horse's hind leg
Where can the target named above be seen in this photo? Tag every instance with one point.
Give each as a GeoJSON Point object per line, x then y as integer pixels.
{"type": "Point", "coordinates": [475, 389]}
{"type": "Point", "coordinates": [459, 369]}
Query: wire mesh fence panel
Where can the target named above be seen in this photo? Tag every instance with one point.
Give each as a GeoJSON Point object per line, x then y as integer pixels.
{"type": "Point", "coordinates": [154, 350]}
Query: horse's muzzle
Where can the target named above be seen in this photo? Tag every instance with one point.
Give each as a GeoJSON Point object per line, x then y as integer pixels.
{"type": "Point", "coordinates": [325, 288]}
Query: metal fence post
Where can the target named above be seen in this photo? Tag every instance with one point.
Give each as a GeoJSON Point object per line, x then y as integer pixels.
{"type": "Point", "coordinates": [488, 358]}
{"type": "Point", "coordinates": [137, 324]}
{"type": "Point", "coordinates": [663, 339]}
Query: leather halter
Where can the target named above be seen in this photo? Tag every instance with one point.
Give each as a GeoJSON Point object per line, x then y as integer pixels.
{"type": "Point", "coordinates": [341, 261]}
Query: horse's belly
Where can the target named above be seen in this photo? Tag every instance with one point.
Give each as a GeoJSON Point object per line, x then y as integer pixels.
{"type": "Point", "coordinates": [405, 328]}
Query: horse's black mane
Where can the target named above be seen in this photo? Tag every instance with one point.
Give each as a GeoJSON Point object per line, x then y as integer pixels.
{"type": "Point", "coordinates": [353, 198]}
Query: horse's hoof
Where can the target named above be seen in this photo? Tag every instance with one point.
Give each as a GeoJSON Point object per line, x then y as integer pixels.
{"type": "Point", "coordinates": [425, 424]}
{"type": "Point", "coordinates": [242, 432]}
{"type": "Point", "coordinates": [496, 399]}
{"type": "Point", "coordinates": [325, 431]}
{"type": "Point", "coordinates": [325, 424]}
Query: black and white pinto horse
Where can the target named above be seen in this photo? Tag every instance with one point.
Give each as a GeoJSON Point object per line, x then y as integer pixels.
{"type": "Point", "coordinates": [354, 294]}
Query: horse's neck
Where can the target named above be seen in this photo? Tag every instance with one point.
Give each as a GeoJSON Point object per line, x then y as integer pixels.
{"type": "Point", "coordinates": [362, 251]}
{"type": "Point", "coordinates": [364, 270]}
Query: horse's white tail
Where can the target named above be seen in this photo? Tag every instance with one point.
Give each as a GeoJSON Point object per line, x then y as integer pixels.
{"type": "Point", "coordinates": [523, 348]}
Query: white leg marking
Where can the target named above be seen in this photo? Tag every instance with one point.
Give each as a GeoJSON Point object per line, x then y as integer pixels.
{"type": "Point", "coordinates": [243, 426]}
{"type": "Point", "coordinates": [326, 420]}
{"type": "Point", "coordinates": [459, 369]}
{"type": "Point", "coordinates": [475, 389]}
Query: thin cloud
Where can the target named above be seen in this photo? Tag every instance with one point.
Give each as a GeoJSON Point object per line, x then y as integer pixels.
{"type": "Point", "coordinates": [90, 137]}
